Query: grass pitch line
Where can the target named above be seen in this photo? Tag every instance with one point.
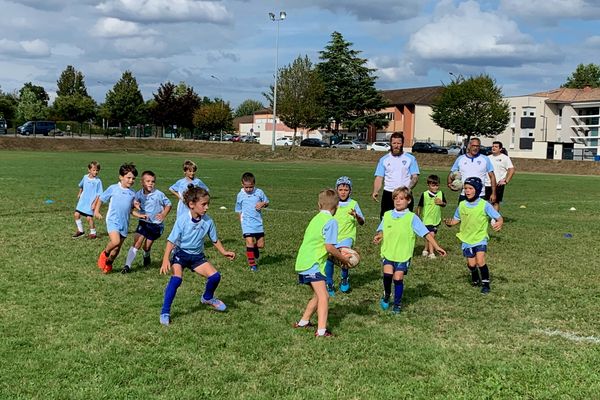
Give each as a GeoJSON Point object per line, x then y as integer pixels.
{"type": "Point", "coordinates": [571, 336]}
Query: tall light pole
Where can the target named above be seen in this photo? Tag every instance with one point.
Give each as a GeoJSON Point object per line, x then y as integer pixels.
{"type": "Point", "coordinates": [282, 16]}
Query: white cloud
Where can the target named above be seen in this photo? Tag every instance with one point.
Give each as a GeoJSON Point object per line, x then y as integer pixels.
{"type": "Point", "coordinates": [26, 48]}
{"type": "Point", "coordinates": [373, 10]}
{"type": "Point", "coordinates": [114, 27]}
{"type": "Point", "coordinates": [468, 35]}
{"type": "Point", "coordinates": [50, 5]}
{"type": "Point", "coordinates": [167, 11]}
{"type": "Point", "coordinates": [593, 41]}
{"type": "Point", "coordinates": [140, 47]}
{"type": "Point", "coordinates": [551, 11]}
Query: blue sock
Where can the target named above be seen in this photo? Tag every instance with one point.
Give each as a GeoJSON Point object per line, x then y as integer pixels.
{"type": "Point", "coordinates": [170, 292]}
{"type": "Point", "coordinates": [344, 273]}
{"type": "Point", "coordinates": [329, 271]}
{"type": "Point", "coordinates": [387, 286]}
{"type": "Point", "coordinates": [211, 285]}
{"type": "Point", "coordinates": [398, 290]}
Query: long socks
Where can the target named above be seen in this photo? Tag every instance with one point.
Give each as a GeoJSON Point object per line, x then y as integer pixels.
{"type": "Point", "coordinates": [474, 275]}
{"type": "Point", "coordinates": [485, 275]}
{"type": "Point", "coordinates": [79, 225]}
{"type": "Point", "coordinates": [398, 290]}
{"type": "Point", "coordinates": [130, 256]}
{"type": "Point", "coordinates": [387, 286]}
{"type": "Point", "coordinates": [170, 292]}
{"type": "Point", "coordinates": [211, 285]}
{"type": "Point", "coordinates": [329, 272]}
{"type": "Point", "coordinates": [250, 254]}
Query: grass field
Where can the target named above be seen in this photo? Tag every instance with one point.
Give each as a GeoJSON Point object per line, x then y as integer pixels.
{"type": "Point", "coordinates": [68, 331]}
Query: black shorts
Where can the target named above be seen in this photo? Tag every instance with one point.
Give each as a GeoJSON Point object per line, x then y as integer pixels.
{"type": "Point", "coordinates": [149, 230]}
{"type": "Point", "coordinates": [257, 235]}
{"type": "Point", "coordinates": [187, 260]}
{"type": "Point", "coordinates": [432, 228]}
{"type": "Point", "coordinates": [307, 279]}
{"type": "Point", "coordinates": [387, 203]}
{"type": "Point", "coordinates": [499, 193]}
{"type": "Point", "coordinates": [84, 214]}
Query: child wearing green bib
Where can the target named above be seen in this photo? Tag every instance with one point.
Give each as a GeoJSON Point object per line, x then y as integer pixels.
{"type": "Point", "coordinates": [430, 210]}
{"type": "Point", "coordinates": [472, 215]}
{"type": "Point", "coordinates": [397, 234]}
{"type": "Point", "coordinates": [319, 240]}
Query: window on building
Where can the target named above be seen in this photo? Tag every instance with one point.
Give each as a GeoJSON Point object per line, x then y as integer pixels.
{"type": "Point", "coordinates": [513, 118]}
{"type": "Point", "coordinates": [559, 122]}
{"type": "Point", "coordinates": [529, 111]}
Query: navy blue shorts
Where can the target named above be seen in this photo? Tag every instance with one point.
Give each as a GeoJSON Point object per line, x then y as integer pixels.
{"type": "Point", "coordinates": [257, 235]}
{"type": "Point", "coordinates": [149, 230]}
{"type": "Point", "coordinates": [187, 260]}
{"type": "Point", "coordinates": [432, 228]}
{"type": "Point", "coordinates": [472, 251]}
{"type": "Point", "coordinates": [84, 214]}
{"type": "Point", "coordinates": [307, 279]}
{"type": "Point", "coordinates": [397, 265]}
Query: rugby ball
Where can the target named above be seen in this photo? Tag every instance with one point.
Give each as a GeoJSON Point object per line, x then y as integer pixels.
{"type": "Point", "coordinates": [352, 254]}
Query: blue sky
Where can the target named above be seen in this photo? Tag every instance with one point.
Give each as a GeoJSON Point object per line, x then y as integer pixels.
{"type": "Point", "coordinates": [227, 48]}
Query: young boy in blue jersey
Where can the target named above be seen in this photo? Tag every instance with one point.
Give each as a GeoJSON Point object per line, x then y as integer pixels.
{"type": "Point", "coordinates": [186, 242]}
{"type": "Point", "coordinates": [319, 240]}
{"type": "Point", "coordinates": [121, 206]}
{"type": "Point", "coordinates": [189, 180]}
{"type": "Point", "coordinates": [472, 214]}
{"type": "Point", "coordinates": [429, 210]}
{"type": "Point", "coordinates": [397, 232]}
{"type": "Point", "coordinates": [348, 216]}
{"type": "Point", "coordinates": [155, 206]}
{"type": "Point", "coordinates": [249, 204]}
{"type": "Point", "coordinates": [90, 188]}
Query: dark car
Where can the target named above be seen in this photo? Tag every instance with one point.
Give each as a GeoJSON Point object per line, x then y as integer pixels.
{"type": "Point", "coordinates": [426, 147]}
{"type": "Point", "coordinates": [37, 127]}
{"type": "Point", "coordinates": [313, 142]}
{"type": "Point", "coordinates": [3, 126]}
{"type": "Point", "coordinates": [485, 150]}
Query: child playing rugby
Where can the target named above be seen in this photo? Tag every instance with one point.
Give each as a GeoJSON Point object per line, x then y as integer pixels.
{"type": "Point", "coordinates": [90, 188]}
{"type": "Point", "coordinates": [397, 232]}
{"type": "Point", "coordinates": [186, 242]}
{"type": "Point", "coordinates": [472, 214]}
{"type": "Point", "coordinates": [188, 181]}
{"type": "Point", "coordinates": [429, 210]}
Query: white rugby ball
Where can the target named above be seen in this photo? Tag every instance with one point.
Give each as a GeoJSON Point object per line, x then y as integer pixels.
{"type": "Point", "coordinates": [353, 256]}
{"type": "Point", "coordinates": [456, 185]}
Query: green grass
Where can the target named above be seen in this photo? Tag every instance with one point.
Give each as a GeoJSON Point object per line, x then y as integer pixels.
{"type": "Point", "coordinates": [70, 332]}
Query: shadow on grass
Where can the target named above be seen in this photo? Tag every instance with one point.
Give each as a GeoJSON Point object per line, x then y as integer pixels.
{"type": "Point", "coordinates": [274, 259]}
{"type": "Point", "coordinates": [466, 278]}
{"type": "Point", "coordinates": [414, 294]}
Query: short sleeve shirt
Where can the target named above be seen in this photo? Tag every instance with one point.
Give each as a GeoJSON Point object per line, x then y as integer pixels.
{"type": "Point", "coordinates": [121, 203]}
{"type": "Point", "coordinates": [478, 166]}
{"type": "Point", "coordinates": [245, 205]}
{"type": "Point", "coordinates": [180, 187]}
{"type": "Point", "coordinates": [91, 188]}
{"type": "Point", "coordinates": [152, 204]}
{"type": "Point", "coordinates": [396, 170]}
{"type": "Point", "coordinates": [188, 234]}
{"type": "Point", "coordinates": [501, 163]}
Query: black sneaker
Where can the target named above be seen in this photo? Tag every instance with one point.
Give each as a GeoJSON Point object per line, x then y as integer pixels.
{"type": "Point", "coordinates": [126, 270]}
{"type": "Point", "coordinates": [77, 234]}
{"type": "Point", "coordinates": [147, 261]}
{"type": "Point", "coordinates": [485, 289]}
{"type": "Point", "coordinates": [476, 283]}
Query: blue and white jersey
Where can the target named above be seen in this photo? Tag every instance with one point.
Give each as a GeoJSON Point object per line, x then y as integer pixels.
{"type": "Point", "coordinates": [180, 187]}
{"type": "Point", "coordinates": [152, 204]}
{"type": "Point", "coordinates": [91, 188]}
{"type": "Point", "coordinates": [188, 234]}
{"type": "Point", "coordinates": [418, 226]}
{"type": "Point", "coordinates": [489, 210]}
{"type": "Point", "coordinates": [396, 170]}
{"type": "Point", "coordinates": [121, 203]}
{"type": "Point", "coordinates": [245, 205]}
{"type": "Point", "coordinates": [478, 166]}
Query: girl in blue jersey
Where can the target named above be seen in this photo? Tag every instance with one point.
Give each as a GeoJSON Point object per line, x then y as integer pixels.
{"type": "Point", "coordinates": [186, 242]}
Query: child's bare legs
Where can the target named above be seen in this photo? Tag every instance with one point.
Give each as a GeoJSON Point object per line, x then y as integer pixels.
{"type": "Point", "coordinates": [429, 246]}
{"type": "Point", "coordinates": [114, 246]}
{"type": "Point", "coordinates": [472, 265]}
{"type": "Point", "coordinates": [213, 277]}
{"type": "Point", "coordinates": [90, 221]}
{"type": "Point", "coordinates": [79, 224]}
{"type": "Point", "coordinates": [319, 303]}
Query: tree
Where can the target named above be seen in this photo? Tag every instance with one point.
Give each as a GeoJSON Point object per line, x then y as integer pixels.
{"type": "Point", "coordinates": [472, 107]}
{"type": "Point", "coordinates": [39, 92]}
{"type": "Point", "coordinates": [584, 75]}
{"type": "Point", "coordinates": [70, 83]}
{"type": "Point", "coordinates": [175, 105]}
{"type": "Point", "coordinates": [125, 102]}
{"type": "Point", "coordinates": [299, 96]}
{"type": "Point", "coordinates": [187, 101]}
{"type": "Point", "coordinates": [248, 107]}
{"type": "Point", "coordinates": [8, 105]}
{"type": "Point", "coordinates": [214, 117]}
{"type": "Point", "coordinates": [75, 108]}
{"type": "Point", "coordinates": [350, 95]}
{"type": "Point", "coordinates": [30, 107]}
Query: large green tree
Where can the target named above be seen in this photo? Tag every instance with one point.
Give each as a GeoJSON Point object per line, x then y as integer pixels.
{"type": "Point", "coordinates": [472, 107]}
{"type": "Point", "coordinates": [213, 117]}
{"type": "Point", "coordinates": [72, 101]}
{"type": "Point", "coordinates": [39, 91]}
{"type": "Point", "coordinates": [350, 96]}
{"type": "Point", "coordinates": [584, 75]}
{"type": "Point", "coordinates": [248, 107]}
{"type": "Point", "coordinates": [8, 105]}
{"type": "Point", "coordinates": [71, 82]}
{"type": "Point", "coordinates": [124, 101]}
{"type": "Point", "coordinates": [30, 107]}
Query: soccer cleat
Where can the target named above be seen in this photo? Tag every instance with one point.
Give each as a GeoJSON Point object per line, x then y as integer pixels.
{"type": "Point", "coordinates": [396, 309]}
{"type": "Point", "coordinates": [485, 289]}
{"type": "Point", "coordinates": [253, 268]}
{"type": "Point", "coordinates": [431, 256]}
{"type": "Point", "coordinates": [147, 261]}
{"type": "Point", "coordinates": [214, 303]}
{"type": "Point", "coordinates": [92, 236]}
{"type": "Point", "coordinates": [126, 269]}
{"type": "Point", "coordinates": [309, 325]}
{"type": "Point", "coordinates": [345, 285]}
{"type": "Point", "coordinates": [326, 334]}
{"type": "Point", "coordinates": [331, 290]}
{"type": "Point", "coordinates": [102, 261]}
{"type": "Point", "coordinates": [165, 319]}
{"type": "Point", "coordinates": [384, 304]}
{"type": "Point", "coordinates": [425, 253]}
{"type": "Point", "coordinates": [77, 234]}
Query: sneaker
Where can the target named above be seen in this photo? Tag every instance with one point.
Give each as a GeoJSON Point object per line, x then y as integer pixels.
{"type": "Point", "coordinates": [126, 270]}
{"type": "Point", "coordinates": [485, 289]}
{"type": "Point", "coordinates": [384, 304]}
{"type": "Point", "coordinates": [331, 290]}
{"type": "Point", "coordinates": [396, 309]}
{"type": "Point", "coordinates": [425, 253]}
{"type": "Point", "coordinates": [102, 261]}
{"type": "Point", "coordinates": [214, 303]}
{"type": "Point", "coordinates": [476, 283]}
{"type": "Point", "coordinates": [309, 325]}
{"type": "Point", "coordinates": [77, 234]}
{"type": "Point", "coordinates": [431, 256]}
{"type": "Point", "coordinates": [92, 236]}
{"type": "Point", "coordinates": [326, 334]}
{"type": "Point", "coordinates": [165, 319]}
{"type": "Point", "coordinates": [253, 268]}
{"type": "Point", "coordinates": [345, 285]}
{"type": "Point", "coordinates": [147, 261]}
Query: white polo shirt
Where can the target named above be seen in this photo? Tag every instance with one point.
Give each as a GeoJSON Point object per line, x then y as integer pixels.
{"type": "Point", "coordinates": [396, 170]}
{"type": "Point", "coordinates": [478, 166]}
{"type": "Point", "coordinates": [501, 164]}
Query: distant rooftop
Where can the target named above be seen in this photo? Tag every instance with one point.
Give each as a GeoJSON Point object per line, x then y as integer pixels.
{"type": "Point", "coordinates": [568, 95]}
{"type": "Point", "coordinates": [422, 96]}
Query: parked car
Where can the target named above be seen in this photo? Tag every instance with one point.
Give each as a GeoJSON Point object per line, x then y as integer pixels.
{"type": "Point", "coordinates": [236, 138]}
{"type": "Point", "coordinates": [37, 127]}
{"type": "Point", "coordinates": [313, 142]}
{"type": "Point", "coordinates": [485, 150]}
{"type": "Point", "coordinates": [227, 137]}
{"type": "Point", "coordinates": [248, 139]}
{"type": "Point", "coordinates": [3, 126]}
{"type": "Point", "coordinates": [283, 141]}
{"type": "Point", "coordinates": [426, 147]}
{"type": "Point", "coordinates": [379, 146]}
{"type": "Point", "coordinates": [349, 144]}
{"type": "Point", "coordinates": [454, 150]}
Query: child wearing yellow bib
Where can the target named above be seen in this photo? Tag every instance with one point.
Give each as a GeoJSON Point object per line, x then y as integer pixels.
{"type": "Point", "coordinates": [430, 210]}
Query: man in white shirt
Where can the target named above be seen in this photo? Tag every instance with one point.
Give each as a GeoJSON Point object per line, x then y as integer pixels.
{"type": "Point", "coordinates": [474, 164]}
{"type": "Point", "coordinates": [503, 171]}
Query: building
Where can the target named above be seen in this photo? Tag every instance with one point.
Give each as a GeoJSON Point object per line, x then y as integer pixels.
{"type": "Point", "coordinates": [262, 127]}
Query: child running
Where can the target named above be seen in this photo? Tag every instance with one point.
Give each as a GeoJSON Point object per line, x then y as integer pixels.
{"type": "Point", "coordinates": [121, 206]}
{"type": "Point", "coordinates": [186, 241]}
{"type": "Point", "coordinates": [155, 206]}
{"type": "Point", "coordinates": [397, 232]}
{"type": "Point", "coordinates": [189, 180]}
{"type": "Point", "coordinates": [319, 240]}
{"type": "Point", "coordinates": [472, 214]}
{"type": "Point", "coordinates": [90, 188]}
{"type": "Point", "coordinates": [249, 204]}
{"type": "Point", "coordinates": [429, 210]}
{"type": "Point", "coordinates": [348, 216]}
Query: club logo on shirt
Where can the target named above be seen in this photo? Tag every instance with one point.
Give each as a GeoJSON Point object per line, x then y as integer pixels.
{"type": "Point", "coordinates": [403, 162]}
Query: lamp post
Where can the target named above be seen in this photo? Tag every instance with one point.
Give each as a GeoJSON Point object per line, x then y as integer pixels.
{"type": "Point", "coordinates": [282, 16]}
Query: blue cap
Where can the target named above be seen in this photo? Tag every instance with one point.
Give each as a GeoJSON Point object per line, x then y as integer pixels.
{"type": "Point", "coordinates": [476, 183]}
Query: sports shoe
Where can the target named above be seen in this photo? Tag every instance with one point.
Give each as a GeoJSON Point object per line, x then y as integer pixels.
{"type": "Point", "coordinates": [384, 304]}
{"type": "Point", "coordinates": [396, 309]}
{"type": "Point", "coordinates": [165, 319]}
{"type": "Point", "coordinates": [425, 253]}
{"type": "Point", "coordinates": [147, 261]}
{"type": "Point", "coordinates": [253, 268]}
{"type": "Point", "coordinates": [77, 234]}
{"type": "Point", "coordinates": [345, 285]}
{"type": "Point", "coordinates": [309, 325]}
{"type": "Point", "coordinates": [102, 261]}
{"type": "Point", "coordinates": [126, 270]}
{"type": "Point", "coordinates": [326, 334]}
{"type": "Point", "coordinates": [476, 283]}
{"type": "Point", "coordinates": [431, 256]}
{"type": "Point", "coordinates": [214, 303]}
{"type": "Point", "coordinates": [485, 289]}
{"type": "Point", "coordinates": [331, 290]}
{"type": "Point", "coordinates": [92, 236]}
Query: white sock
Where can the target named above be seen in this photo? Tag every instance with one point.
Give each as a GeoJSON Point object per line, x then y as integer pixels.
{"type": "Point", "coordinates": [303, 322]}
{"type": "Point", "coordinates": [130, 256]}
{"type": "Point", "coordinates": [79, 225]}
{"type": "Point", "coordinates": [321, 332]}
{"type": "Point", "coordinates": [92, 231]}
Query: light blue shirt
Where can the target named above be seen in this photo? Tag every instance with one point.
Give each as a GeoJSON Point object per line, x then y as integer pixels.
{"type": "Point", "coordinates": [330, 233]}
{"type": "Point", "coordinates": [478, 166]}
{"type": "Point", "coordinates": [396, 170]}
{"type": "Point", "coordinates": [418, 226]}
{"type": "Point", "coordinates": [92, 188]}
{"type": "Point", "coordinates": [188, 234]}
{"type": "Point", "coordinates": [489, 210]}
{"type": "Point", "coordinates": [245, 205]}
{"type": "Point", "coordinates": [180, 187]}
{"type": "Point", "coordinates": [121, 203]}
{"type": "Point", "coordinates": [152, 204]}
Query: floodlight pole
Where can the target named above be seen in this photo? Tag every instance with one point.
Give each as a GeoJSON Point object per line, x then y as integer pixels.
{"type": "Point", "coordinates": [282, 16]}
